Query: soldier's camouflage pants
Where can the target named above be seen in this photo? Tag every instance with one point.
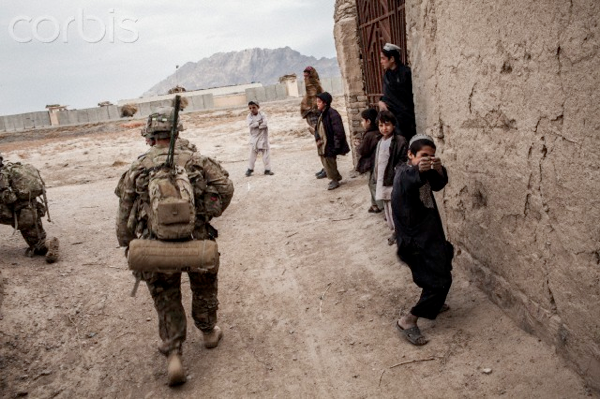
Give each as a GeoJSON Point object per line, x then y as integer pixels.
{"type": "Point", "coordinates": [166, 293]}
{"type": "Point", "coordinates": [29, 223]}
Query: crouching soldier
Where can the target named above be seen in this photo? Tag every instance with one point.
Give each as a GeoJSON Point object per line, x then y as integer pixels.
{"type": "Point", "coordinates": [166, 201]}
{"type": "Point", "coordinates": [21, 187]}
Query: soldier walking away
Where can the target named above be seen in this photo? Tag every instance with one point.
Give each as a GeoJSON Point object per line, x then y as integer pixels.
{"type": "Point", "coordinates": [23, 204]}
{"type": "Point", "coordinates": [194, 184]}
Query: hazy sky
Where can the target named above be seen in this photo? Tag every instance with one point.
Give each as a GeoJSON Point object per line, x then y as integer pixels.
{"type": "Point", "coordinates": [79, 53]}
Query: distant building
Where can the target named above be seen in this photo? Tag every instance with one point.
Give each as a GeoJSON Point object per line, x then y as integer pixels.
{"type": "Point", "coordinates": [291, 83]}
{"type": "Point", "coordinates": [53, 110]}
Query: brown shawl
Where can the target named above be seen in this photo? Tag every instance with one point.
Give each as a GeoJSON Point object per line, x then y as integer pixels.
{"type": "Point", "coordinates": [313, 87]}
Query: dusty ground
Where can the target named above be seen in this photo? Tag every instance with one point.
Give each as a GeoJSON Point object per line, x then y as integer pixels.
{"type": "Point", "coordinates": [309, 289]}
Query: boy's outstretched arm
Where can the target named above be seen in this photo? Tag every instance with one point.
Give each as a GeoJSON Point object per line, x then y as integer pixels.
{"type": "Point", "coordinates": [437, 178]}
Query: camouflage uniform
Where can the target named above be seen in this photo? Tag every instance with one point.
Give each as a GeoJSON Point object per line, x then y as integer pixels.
{"type": "Point", "coordinates": [213, 193]}
{"type": "Point", "coordinates": [25, 215]}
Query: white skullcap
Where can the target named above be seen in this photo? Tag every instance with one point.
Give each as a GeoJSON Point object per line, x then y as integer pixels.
{"type": "Point", "coordinates": [420, 137]}
{"type": "Point", "coordinates": [391, 47]}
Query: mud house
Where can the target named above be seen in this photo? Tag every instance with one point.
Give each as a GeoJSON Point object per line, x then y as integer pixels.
{"type": "Point", "coordinates": [510, 92]}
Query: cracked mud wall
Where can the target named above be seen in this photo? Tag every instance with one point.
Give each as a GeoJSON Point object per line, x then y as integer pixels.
{"type": "Point", "coordinates": [510, 90]}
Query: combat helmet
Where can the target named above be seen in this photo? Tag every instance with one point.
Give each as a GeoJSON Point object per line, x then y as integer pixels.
{"type": "Point", "coordinates": [160, 123]}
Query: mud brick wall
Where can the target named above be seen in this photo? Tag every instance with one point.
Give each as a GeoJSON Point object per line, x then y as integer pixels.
{"type": "Point", "coordinates": [348, 55]}
{"type": "Point", "coordinates": [510, 90]}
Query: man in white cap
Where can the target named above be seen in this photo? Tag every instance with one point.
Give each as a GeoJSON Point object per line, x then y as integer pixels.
{"type": "Point", "coordinates": [397, 90]}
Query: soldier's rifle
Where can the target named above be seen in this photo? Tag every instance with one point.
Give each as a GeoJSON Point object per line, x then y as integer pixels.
{"type": "Point", "coordinates": [170, 162]}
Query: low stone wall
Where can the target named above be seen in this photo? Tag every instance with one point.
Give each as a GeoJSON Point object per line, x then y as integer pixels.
{"type": "Point", "coordinates": [89, 115]}
{"type": "Point", "coordinates": [335, 86]}
{"type": "Point", "coordinates": [232, 100]}
{"type": "Point", "coordinates": [38, 120]}
{"type": "Point", "coordinates": [19, 122]}
{"type": "Point", "coordinates": [267, 93]}
{"type": "Point", "coordinates": [216, 92]}
{"type": "Point", "coordinates": [196, 102]}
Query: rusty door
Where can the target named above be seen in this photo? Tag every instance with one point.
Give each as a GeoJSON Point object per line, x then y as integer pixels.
{"type": "Point", "coordinates": [379, 22]}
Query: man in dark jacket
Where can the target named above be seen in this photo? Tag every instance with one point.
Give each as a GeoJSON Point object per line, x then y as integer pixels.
{"type": "Point", "coordinates": [397, 90]}
{"type": "Point", "coordinates": [331, 139]}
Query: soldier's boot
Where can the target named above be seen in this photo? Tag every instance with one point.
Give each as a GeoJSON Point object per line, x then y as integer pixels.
{"type": "Point", "coordinates": [212, 338]}
{"type": "Point", "coordinates": [38, 248]}
{"type": "Point", "coordinates": [175, 371]}
{"type": "Point", "coordinates": [52, 253]}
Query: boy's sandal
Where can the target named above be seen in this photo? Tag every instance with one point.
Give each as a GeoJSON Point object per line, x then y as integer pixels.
{"type": "Point", "coordinates": [413, 335]}
{"type": "Point", "coordinates": [374, 209]}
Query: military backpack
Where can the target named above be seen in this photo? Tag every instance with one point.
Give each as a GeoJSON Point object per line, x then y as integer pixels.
{"type": "Point", "coordinates": [24, 180]}
{"type": "Point", "coordinates": [172, 212]}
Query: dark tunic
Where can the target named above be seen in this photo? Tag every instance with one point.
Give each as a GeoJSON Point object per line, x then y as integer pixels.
{"type": "Point", "coordinates": [420, 236]}
{"type": "Point", "coordinates": [398, 96]}
{"type": "Point", "coordinates": [367, 151]}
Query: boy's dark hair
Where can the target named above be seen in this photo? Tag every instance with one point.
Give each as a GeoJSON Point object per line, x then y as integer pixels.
{"type": "Point", "coordinates": [386, 116]}
{"type": "Point", "coordinates": [254, 103]}
{"type": "Point", "coordinates": [326, 98]}
{"type": "Point", "coordinates": [370, 114]}
{"type": "Point", "coordinates": [420, 142]}
{"type": "Point", "coordinates": [393, 53]}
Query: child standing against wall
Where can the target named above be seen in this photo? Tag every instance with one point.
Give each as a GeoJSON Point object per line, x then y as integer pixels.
{"type": "Point", "coordinates": [259, 138]}
{"type": "Point", "coordinates": [367, 149]}
{"type": "Point", "coordinates": [391, 150]}
{"type": "Point", "coordinates": [421, 241]}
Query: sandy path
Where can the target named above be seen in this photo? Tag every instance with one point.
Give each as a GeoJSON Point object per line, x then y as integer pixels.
{"type": "Point", "coordinates": [309, 291]}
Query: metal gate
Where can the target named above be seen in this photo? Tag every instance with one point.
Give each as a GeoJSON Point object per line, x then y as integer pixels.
{"type": "Point", "coordinates": [379, 22]}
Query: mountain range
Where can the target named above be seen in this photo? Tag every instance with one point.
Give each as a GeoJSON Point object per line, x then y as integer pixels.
{"type": "Point", "coordinates": [240, 67]}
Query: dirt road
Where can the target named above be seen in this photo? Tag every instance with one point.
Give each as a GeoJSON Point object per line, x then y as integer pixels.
{"type": "Point", "coordinates": [309, 290]}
